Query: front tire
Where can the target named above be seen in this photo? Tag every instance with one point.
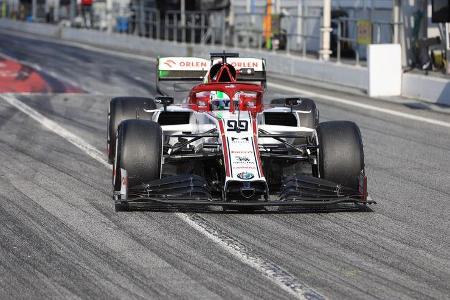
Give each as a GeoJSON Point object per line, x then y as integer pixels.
{"type": "Point", "coordinates": [121, 206]}
{"type": "Point", "coordinates": [139, 152]}
{"type": "Point", "coordinates": [341, 153]}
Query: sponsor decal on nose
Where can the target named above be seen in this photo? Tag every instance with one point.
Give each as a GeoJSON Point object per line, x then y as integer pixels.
{"type": "Point", "coordinates": [245, 175]}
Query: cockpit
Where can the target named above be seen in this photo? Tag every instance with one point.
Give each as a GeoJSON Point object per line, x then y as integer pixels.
{"type": "Point", "coordinates": [222, 91]}
{"type": "Point", "coordinates": [216, 100]}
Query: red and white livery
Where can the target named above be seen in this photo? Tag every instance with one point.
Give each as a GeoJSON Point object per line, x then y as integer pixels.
{"type": "Point", "coordinates": [223, 144]}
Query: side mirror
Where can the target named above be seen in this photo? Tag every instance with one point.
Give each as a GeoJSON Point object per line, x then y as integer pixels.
{"type": "Point", "coordinates": [292, 101]}
{"type": "Point", "coordinates": [164, 100]}
{"type": "Point", "coordinates": [247, 71]}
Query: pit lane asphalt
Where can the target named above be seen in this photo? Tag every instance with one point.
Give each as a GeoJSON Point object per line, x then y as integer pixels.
{"type": "Point", "coordinates": [61, 237]}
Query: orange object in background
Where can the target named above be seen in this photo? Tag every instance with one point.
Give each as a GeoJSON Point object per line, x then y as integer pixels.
{"type": "Point", "coordinates": [18, 78]}
{"type": "Point", "coordinates": [267, 25]}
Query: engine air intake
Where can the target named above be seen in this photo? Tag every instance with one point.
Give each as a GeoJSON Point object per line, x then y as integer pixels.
{"type": "Point", "coordinates": [173, 118]}
{"type": "Point", "coordinates": [280, 118]}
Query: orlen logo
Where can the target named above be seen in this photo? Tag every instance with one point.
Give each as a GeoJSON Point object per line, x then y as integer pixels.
{"type": "Point", "coordinates": [193, 64]}
{"type": "Point", "coordinates": [170, 63]}
{"type": "Point", "coordinates": [245, 64]}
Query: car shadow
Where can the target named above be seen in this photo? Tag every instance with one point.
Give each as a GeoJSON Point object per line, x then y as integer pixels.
{"type": "Point", "coordinates": [338, 208]}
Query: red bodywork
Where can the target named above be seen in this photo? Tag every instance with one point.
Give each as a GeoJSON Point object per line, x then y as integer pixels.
{"type": "Point", "coordinates": [249, 99]}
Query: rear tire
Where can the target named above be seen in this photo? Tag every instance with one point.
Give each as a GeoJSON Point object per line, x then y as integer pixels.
{"type": "Point", "coordinates": [341, 153]}
{"type": "Point", "coordinates": [139, 152]}
{"type": "Point", "coordinates": [125, 108]}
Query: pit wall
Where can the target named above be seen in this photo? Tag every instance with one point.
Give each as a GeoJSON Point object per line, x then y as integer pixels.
{"type": "Point", "coordinates": [417, 86]}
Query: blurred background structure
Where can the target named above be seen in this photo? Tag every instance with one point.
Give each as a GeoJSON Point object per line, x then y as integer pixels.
{"type": "Point", "coordinates": [339, 30]}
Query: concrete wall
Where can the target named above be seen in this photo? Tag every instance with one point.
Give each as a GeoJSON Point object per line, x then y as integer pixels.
{"type": "Point", "coordinates": [426, 88]}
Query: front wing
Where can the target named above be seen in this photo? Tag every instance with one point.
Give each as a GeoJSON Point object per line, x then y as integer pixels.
{"type": "Point", "coordinates": [192, 190]}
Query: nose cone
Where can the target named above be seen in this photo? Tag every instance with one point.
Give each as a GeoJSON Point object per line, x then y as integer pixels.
{"type": "Point", "coordinates": [247, 192]}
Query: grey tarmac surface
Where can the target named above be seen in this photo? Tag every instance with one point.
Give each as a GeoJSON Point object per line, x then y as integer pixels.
{"type": "Point", "coordinates": [62, 239]}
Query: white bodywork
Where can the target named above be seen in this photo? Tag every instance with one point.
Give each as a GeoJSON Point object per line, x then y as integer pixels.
{"type": "Point", "coordinates": [238, 137]}
{"type": "Point", "coordinates": [238, 131]}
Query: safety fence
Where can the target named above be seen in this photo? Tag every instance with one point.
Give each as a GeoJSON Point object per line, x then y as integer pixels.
{"type": "Point", "coordinates": [294, 34]}
{"type": "Point", "coordinates": [194, 27]}
{"type": "Point", "coordinates": [350, 36]}
{"type": "Point", "coordinates": [291, 33]}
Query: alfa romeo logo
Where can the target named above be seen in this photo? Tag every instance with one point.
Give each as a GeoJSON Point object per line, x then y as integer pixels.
{"type": "Point", "coordinates": [245, 175]}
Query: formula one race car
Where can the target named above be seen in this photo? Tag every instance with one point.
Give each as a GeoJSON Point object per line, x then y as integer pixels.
{"type": "Point", "coordinates": [223, 147]}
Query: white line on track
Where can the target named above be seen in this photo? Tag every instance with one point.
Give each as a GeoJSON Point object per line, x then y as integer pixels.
{"type": "Point", "coordinates": [25, 63]}
{"type": "Point", "coordinates": [55, 128]}
{"type": "Point", "coordinates": [280, 277]}
{"type": "Point", "coordinates": [275, 273]}
{"type": "Point", "coordinates": [360, 105]}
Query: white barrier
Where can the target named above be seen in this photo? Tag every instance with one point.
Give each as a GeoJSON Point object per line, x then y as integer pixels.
{"type": "Point", "coordinates": [385, 70]}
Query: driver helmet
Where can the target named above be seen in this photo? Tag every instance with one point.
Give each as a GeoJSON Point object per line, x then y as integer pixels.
{"type": "Point", "coordinates": [219, 100]}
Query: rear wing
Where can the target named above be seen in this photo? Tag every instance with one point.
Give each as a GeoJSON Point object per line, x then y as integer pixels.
{"type": "Point", "coordinates": [195, 68]}
{"type": "Point", "coordinates": [182, 68]}
{"type": "Point", "coordinates": [248, 69]}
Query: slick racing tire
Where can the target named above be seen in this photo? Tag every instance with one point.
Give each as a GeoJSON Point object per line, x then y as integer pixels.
{"type": "Point", "coordinates": [306, 108]}
{"type": "Point", "coordinates": [139, 152]}
{"type": "Point", "coordinates": [341, 154]}
{"type": "Point", "coordinates": [125, 108]}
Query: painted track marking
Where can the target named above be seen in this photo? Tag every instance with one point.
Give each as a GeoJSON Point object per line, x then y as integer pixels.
{"type": "Point", "coordinates": [39, 69]}
{"type": "Point", "coordinates": [245, 254]}
{"type": "Point", "coordinates": [275, 273]}
{"type": "Point", "coordinates": [55, 128]}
